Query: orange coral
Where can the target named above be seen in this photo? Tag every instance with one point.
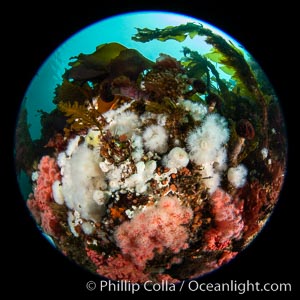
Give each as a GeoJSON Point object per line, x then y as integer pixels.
{"type": "Point", "coordinates": [117, 212]}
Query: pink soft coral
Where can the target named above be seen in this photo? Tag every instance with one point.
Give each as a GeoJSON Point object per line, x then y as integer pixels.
{"type": "Point", "coordinates": [40, 202]}
{"type": "Point", "coordinates": [226, 257]}
{"type": "Point", "coordinates": [116, 267]}
{"type": "Point", "coordinates": [153, 230]}
{"type": "Point", "coordinates": [228, 221]}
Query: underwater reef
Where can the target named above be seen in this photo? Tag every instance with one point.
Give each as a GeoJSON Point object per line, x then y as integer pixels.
{"type": "Point", "coordinates": [156, 170]}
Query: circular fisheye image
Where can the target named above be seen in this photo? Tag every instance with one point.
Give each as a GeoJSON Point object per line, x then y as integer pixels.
{"type": "Point", "coordinates": [150, 146]}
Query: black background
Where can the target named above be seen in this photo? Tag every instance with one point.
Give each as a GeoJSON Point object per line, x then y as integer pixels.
{"type": "Point", "coordinates": [32, 32]}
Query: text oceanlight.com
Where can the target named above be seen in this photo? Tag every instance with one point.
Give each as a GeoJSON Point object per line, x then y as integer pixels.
{"type": "Point", "coordinates": [193, 286]}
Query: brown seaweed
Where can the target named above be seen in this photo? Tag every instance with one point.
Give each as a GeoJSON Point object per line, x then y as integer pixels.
{"type": "Point", "coordinates": [80, 117]}
{"type": "Point", "coordinates": [24, 148]}
{"type": "Point", "coordinates": [110, 59]}
{"type": "Point", "coordinates": [224, 52]}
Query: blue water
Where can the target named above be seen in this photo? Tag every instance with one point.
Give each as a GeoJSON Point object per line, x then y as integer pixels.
{"type": "Point", "coordinates": [120, 29]}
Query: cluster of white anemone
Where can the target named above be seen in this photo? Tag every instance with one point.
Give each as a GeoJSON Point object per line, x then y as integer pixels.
{"type": "Point", "coordinates": [89, 180]}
